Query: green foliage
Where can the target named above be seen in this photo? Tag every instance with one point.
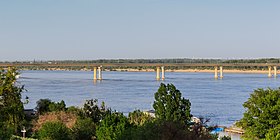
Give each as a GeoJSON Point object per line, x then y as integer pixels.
{"type": "Point", "coordinates": [54, 131]}
{"type": "Point", "coordinates": [139, 118]}
{"type": "Point", "coordinates": [84, 129]}
{"type": "Point", "coordinates": [59, 106]}
{"type": "Point", "coordinates": [261, 118]}
{"type": "Point", "coordinates": [163, 130]}
{"type": "Point", "coordinates": [46, 105]}
{"type": "Point", "coordinates": [5, 131]}
{"type": "Point", "coordinates": [43, 106]}
{"type": "Point", "coordinates": [74, 110]}
{"type": "Point", "coordinates": [273, 134]}
{"type": "Point", "coordinates": [172, 120]}
{"type": "Point", "coordinates": [11, 107]}
{"type": "Point", "coordinates": [93, 111]}
{"type": "Point", "coordinates": [167, 130]}
{"type": "Point", "coordinates": [170, 106]}
{"type": "Point", "coordinates": [112, 126]}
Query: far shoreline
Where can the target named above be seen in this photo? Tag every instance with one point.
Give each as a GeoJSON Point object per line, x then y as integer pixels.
{"type": "Point", "coordinates": [236, 71]}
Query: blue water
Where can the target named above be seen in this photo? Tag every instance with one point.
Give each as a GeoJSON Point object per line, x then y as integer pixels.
{"type": "Point", "coordinates": [221, 100]}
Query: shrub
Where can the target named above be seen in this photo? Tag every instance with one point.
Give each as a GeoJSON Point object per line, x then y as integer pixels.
{"type": "Point", "coordinates": [84, 129]}
{"type": "Point", "coordinates": [54, 131]}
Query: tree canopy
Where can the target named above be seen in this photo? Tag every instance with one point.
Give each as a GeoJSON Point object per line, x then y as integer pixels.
{"type": "Point", "coordinates": [262, 116]}
{"type": "Point", "coordinates": [11, 106]}
{"type": "Point", "coordinates": [170, 105]}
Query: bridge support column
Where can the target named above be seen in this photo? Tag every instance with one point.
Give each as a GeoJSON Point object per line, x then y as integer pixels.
{"type": "Point", "coordinates": [221, 72]}
{"type": "Point", "coordinates": [275, 71]}
{"type": "Point", "coordinates": [162, 73]}
{"type": "Point", "coordinates": [158, 73]}
{"type": "Point", "coordinates": [269, 71]}
{"type": "Point", "coordinates": [216, 72]}
{"type": "Point", "coordinates": [94, 73]}
{"type": "Point", "coordinates": [100, 73]}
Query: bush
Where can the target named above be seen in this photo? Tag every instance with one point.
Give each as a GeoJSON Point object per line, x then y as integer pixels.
{"type": "Point", "coordinates": [54, 131]}
{"type": "Point", "coordinates": [139, 118]}
{"type": "Point", "coordinates": [112, 126]}
{"type": "Point", "coordinates": [5, 132]}
{"type": "Point", "coordinates": [163, 130]}
{"type": "Point", "coordinates": [68, 119]}
{"type": "Point", "coordinates": [84, 129]}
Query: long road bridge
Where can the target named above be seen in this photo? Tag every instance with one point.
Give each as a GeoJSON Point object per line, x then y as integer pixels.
{"type": "Point", "coordinates": [159, 67]}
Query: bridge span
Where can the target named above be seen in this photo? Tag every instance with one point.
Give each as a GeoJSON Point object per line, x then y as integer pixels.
{"type": "Point", "coordinates": [160, 67]}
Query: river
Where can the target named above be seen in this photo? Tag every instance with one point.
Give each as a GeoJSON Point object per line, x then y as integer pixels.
{"type": "Point", "coordinates": [220, 100]}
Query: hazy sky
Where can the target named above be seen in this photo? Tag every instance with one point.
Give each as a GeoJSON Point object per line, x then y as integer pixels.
{"type": "Point", "coordinates": [103, 29]}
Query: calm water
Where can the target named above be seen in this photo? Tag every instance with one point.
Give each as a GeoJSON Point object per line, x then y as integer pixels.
{"type": "Point", "coordinates": [221, 100]}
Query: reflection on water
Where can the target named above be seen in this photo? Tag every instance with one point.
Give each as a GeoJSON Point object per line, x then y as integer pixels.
{"type": "Point", "coordinates": [221, 100]}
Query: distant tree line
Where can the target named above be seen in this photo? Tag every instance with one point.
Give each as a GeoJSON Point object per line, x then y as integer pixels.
{"type": "Point", "coordinates": [184, 60]}
{"type": "Point", "coordinates": [176, 60]}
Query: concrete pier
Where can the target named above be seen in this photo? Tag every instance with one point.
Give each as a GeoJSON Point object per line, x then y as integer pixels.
{"type": "Point", "coordinates": [275, 71]}
{"type": "Point", "coordinates": [269, 71]}
{"type": "Point", "coordinates": [158, 73]}
{"type": "Point", "coordinates": [100, 73]}
{"type": "Point", "coordinates": [221, 72]}
{"type": "Point", "coordinates": [162, 73]}
{"type": "Point", "coordinates": [216, 72]}
{"type": "Point", "coordinates": [94, 73]}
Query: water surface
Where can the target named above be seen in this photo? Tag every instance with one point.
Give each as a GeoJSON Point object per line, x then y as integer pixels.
{"type": "Point", "coordinates": [221, 100]}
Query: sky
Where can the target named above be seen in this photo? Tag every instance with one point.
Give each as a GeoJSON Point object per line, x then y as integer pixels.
{"type": "Point", "coordinates": [138, 29]}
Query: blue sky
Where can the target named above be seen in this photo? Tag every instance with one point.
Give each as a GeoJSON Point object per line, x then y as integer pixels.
{"type": "Point", "coordinates": [109, 29]}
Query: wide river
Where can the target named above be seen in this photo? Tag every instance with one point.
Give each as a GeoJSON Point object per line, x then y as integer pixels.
{"type": "Point", "coordinates": [221, 100]}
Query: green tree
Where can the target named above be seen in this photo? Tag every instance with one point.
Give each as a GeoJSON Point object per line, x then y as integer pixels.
{"type": "Point", "coordinates": [93, 111]}
{"type": "Point", "coordinates": [54, 131]}
{"type": "Point", "coordinates": [59, 106]}
{"type": "Point", "coordinates": [112, 126]}
{"type": "Point", "coordinates": [84, 129]}
{"type": "Point", "coordinates": [46, 105]}
{"type": "Point", "coordinates": [11, 106]}
{"type": "Point", "coordinates": [170, 106]}
{"type": "Point", "coordinates": [261, 118]}
{"type": "Point", "coordinates": [43, 106]}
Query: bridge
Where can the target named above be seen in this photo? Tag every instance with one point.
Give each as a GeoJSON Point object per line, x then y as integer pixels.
{"type": "Point", "coordinates": [97, 67]}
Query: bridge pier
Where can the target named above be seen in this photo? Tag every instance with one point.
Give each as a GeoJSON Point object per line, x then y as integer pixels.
{"type": "Point", "coordinates": [158, 73]}
{"type": "Point", "coordinates": [100, 73]}
{"type": "Point", "coordinates": [221, 72]}
{"type": "Point", "coordinates": [216, 72]}
{"type": "Point", "coordinates": [162, 73]}
{"type": "Point", "coordinates": [275, 71]}
{"type": "Point", "coordinates": [94, 73]}
{"type": "Point", "coordinates": [269, 72]}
